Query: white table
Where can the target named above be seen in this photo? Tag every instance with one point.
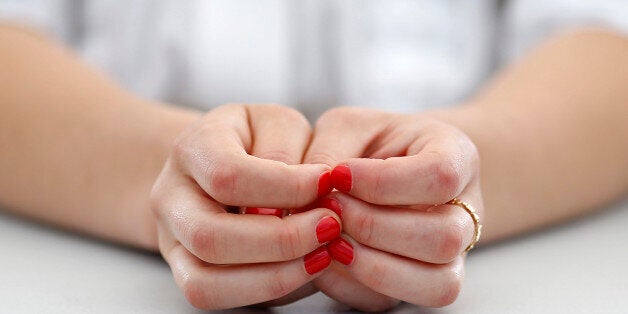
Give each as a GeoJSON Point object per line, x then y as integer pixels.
{"type": "Point", "coordinates": [580, 267]}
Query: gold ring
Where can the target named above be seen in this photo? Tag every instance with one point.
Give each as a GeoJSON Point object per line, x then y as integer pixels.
{"type": "Point", "coordinates": [476, 221]}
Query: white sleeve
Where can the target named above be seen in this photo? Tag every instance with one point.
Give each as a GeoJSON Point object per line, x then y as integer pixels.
{"type": "Point", "coordinates": [50, 16]}
{"type": "Point", "coordinates": [526, 23]}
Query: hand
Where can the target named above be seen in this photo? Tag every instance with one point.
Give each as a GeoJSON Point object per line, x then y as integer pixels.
{"type": "Point", "coordinates": [397, 244]}
{"type": "Point", "coordinates": [245, 156]}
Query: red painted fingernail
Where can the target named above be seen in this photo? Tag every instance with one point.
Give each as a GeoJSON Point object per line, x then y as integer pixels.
{"type": "Point", "coordinates": [330, 203]}
{"type": "Point", "coordinates": [324, 184]}
{"type": "Point", "coordinates": [341, 250]}
{"type": "Point", "coordinates": [264, 211]}
{"type": "Point", "coordinates": [341, 178]}
{"type": "Point", "coordinates": [327, 229]}
{"type": "Point", "coordinates": [317, 260]}
{"type": "Point", "coordinates": [302, 209]}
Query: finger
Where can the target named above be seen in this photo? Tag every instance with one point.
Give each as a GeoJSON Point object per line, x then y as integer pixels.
{"type": "Point", "coordinates": [344, 132]}
{"type": "Point", "coordinates": [408, 280]}
{"type": "Point", "coordinates": [219, 287]}
{"type": "Point", "coordinates": [298, 294]}
{"type": "Point", "coordinates": [438, 167]}
{"type": "Point", "coordinates": [216, 155]}
{"type": "Point", "coordinates": [264, 211]}
{"type": "Point", "coordinates": [218, 237]}
{"type": "Point", "coordinates": [280, 133]}
{"type": "Point", "coordinates": [339, 285]}
{"type": "Point", "coordinates": [437, 235]}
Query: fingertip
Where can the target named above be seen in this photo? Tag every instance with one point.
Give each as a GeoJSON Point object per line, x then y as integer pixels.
{"type": "Point", "coordinates": [331, 204]}
{"type": "Point", "coordinates": [327, 229]}
{"type": "Point", "coordinates": [341, 178]}
{"type": "Point", "coordinates": [319, 177]}
{"type": "Point", "coordinates": [317, 260]}
{"type": "Point", "coordinates": [264, 211]}
{"type": "Point", "coordinates": [324, 184]}
{"type": "Point", "coordinates": [341, 250]}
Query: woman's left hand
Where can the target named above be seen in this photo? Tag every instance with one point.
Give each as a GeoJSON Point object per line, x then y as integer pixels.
{"type": "Point", "coordinates": [390, 171]}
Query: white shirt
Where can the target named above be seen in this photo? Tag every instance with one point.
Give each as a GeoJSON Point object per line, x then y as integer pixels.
{"type": "Point", "coordinates": [313, 54]}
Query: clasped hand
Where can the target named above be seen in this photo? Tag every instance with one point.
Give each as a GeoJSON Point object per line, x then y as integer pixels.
{"type": "Point", "coordinates": [377, 240]}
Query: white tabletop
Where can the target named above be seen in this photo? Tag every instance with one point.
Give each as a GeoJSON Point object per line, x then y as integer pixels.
{"type": "Point", "coordinates": [580, 267]}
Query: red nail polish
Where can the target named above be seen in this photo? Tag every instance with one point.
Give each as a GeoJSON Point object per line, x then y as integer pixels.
{"type": "Point", "coordinates": [341, 250]}
{"type": "Point", "coordinates": [327, 229]}
{"type": "Point", "coordinates": [264, 211]}
{"type": "Point", "coordinates": [341, 178]}
{"type": "Point", "coordinates": [303, 209]}
{"type": "Point", "coordinates": [317, 260]}
{"type": "Point", "coordinates": [330, 203]}
{"type": "Point", "coordinates": [324, 184]}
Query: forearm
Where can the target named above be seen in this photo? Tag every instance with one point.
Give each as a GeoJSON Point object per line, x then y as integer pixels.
{"type": "Point", "coordinates": [552, 133]}
{"type": "Point", "coordinates": [77, 150]}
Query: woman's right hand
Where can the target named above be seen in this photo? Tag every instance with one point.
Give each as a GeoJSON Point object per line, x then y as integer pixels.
{"type": "Point", "coordinates": [242, 156]}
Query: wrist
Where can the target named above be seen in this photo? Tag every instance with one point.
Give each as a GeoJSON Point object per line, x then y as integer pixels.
{"type": "Point", "coordinates": [166, 123]}
{"type": "Point", "coordinates": [162, 125]}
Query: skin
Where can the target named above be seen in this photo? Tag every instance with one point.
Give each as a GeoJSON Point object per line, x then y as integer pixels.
{"type": "Point", "coordinates": [78, 151]}
{"type": "Point", "coordinates": [81, 153]}
{"type": "Point", "coordinates": [405, 164]}
{"type": "Point", "coordinates": [237, 155]}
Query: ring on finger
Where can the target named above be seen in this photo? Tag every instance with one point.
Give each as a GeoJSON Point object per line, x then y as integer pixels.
{"type": "Point", "coordinates": [476, 221]}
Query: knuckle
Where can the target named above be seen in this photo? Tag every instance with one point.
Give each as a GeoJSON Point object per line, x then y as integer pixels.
{"type": "Point", "coordinates": [322, 158]}
{"type": "Point", "coordinates": [339, 115]}
{"type": "Point", "coordinates": [203, 243]}
{"type": "Point", "coordinates": [302, 192]}
{"type": "Point", "coordinates": [375, 278]}
{"type": "Point", "coordinates": [473, 152]}
{"type": "Point", "coordinates": [181, 147]}
{"type": "Point", "coordinates": [277, 155]}
{"type": "Point", "coordinates": [289, 243]}
{"type": "Point", "coordinates": [287, 115]}
{"type": "Point", "coordinates": [298, 189]}
{"type": "Point", "coordinates": [365, 225]}
{"type": "Point", "coordinates": [470, 151]}
{"type": "Point", "coordinates": [294, 115]}
{"type": "Point", "coordinates": [449, 290]}
{"type": "Point", "coordinates": [221, 179]}
{"type": "Point", "coordinates": [449, 242]}
{"type": "Point", "coordinates": [154, 199]}
{"type": "Point", "coordinates": [447, 177]}
{"type": "Point", "coordinates": [196, 294]}
{"type": "Point", "coordinates": [475, 160]}
{"type": "Point", "coordinates": [329, 115]}
{"type": "Point", "coordinates": [239, 109]}
{"type": "Point", "coordinates": [377, 193]}
{"type": "Point", "coordinates": [279, 287]}
{"type": "Point", "coordinates": [186, 150]}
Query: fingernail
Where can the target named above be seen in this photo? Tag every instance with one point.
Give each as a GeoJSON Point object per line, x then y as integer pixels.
{"type": "Point", "coordinates": [341, 250]}
{"type": "Point", "coordinates": [327, 229]}
{"type": "Point", "coordinates": [264, 211]}
{"type": "Point", "coordinates": [341, 178]}
{"type": "Point", "coordinates": [330, 203]}
{"type": "Point", "coordinates": [324, 184]}
{"type": "Point", "coordinates": [305, 208]}
{"type": "Point", "coordinates": [317, 260]}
